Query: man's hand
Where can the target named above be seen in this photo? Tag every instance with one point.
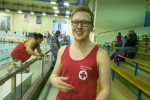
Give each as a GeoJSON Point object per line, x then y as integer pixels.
{"type": "Point", "coordinates": [41, 54]}
{"type": "Point", "coordinates": [46, 55]}
{"type": "Point", "coordinates": [39, 57]}
{"type": "Point", "coordinates": [61, 85]}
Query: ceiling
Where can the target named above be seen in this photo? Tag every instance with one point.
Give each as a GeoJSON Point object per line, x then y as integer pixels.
{"type": "Point", "coordinates": [39, 6]}
{"type": "Point", "coordinates": [110, 14]}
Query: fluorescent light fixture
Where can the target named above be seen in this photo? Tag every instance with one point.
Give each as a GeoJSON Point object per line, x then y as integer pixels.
{"type": "Point", "coordinates": [7, 10]}
{"type": "Point", "coordinates": [43, 13]}
{"type": "Point", "coordinates": [55, 15]}
{"type": "Point", "coordinates": [66, 3]}
{"type": "Point", "coordinates": [53, 3]}
{"type": "Point", "coordinates": [19, 11]}
{"type": "Point", "coordinates": [32, 12]}
{"type": "Point", "coordinates": [67, 15]}
{"type": "Point", "coordinates": [67, 12]}
{"type": "Point", "coordinates": [55, 8]}
{"type": "Point", "coordinates": [56, 11]}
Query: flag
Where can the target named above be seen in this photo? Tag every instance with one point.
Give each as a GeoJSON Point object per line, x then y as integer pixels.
{"type": "Point", "coordinates": [38, 20]}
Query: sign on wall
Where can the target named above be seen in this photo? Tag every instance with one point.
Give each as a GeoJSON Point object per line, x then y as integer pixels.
{"type": "Point", "coordinates": [59, 25]}
{"type": "Point", "coordinates": [38, 20]}
{"type": "Point", "coordinates": [4, 23]}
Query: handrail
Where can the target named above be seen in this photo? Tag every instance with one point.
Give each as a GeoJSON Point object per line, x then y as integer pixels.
{"type": "Point", "coordinates": [122, 29]}
{"type": "Point", "coordinates": [137, 63]}
{"type": "Point", "coordinates": [14, 72]}
{"type": "Point", "coordinates": [147, 54]}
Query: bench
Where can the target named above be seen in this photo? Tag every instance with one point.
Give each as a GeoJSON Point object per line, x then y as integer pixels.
{"type": "Point", "coordinates": [118, 90]}
{"type": "Point", "coordinates": [143, 53]}
{"type": "Point", "coordinates": [137, 63]}
{"type": "Point", "coordinates": [141, 86]}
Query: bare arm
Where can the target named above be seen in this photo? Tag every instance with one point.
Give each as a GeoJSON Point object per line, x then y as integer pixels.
{"type": "Point", "coordinates": [39, 50]}
{"type": "Point", "coordinates": [31, 43]}
{"type": "Point", "coordinates": [56, 79]}
{"type": "Point", "coordinates": [104, 74]}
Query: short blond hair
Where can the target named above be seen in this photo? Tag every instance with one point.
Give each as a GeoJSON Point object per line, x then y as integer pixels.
{"type": "Point", "coordinates": [84, 9]}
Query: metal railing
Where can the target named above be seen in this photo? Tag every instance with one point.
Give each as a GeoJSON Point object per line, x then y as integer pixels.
{"type": "Point", "coordinates": [12, 76]}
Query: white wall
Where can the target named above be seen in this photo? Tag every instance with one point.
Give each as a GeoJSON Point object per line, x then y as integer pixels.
{"type": "Point", "coordinates": [110, 36]}
{"type": "Point", "coordinates": [115, 15]}
{"type": "Point", "coordinates": [19, 23]}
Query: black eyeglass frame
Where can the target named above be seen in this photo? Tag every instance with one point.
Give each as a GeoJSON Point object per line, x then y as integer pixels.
{"type": "Point", "coordinates": [81, 22]}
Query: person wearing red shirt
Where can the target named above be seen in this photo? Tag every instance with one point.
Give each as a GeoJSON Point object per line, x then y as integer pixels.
{"type": "Point", "coordinates": [23, 51]}
{"type": "Point", "coordinates": [119, 39]}
{"type": "Point", "coordinates": [80, 64]}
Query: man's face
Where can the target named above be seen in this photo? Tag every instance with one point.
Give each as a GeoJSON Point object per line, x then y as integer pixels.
{"type": "Point", "coordinates": [81, 26]}
{"type": "Point", "coordinates": [64, 38]}
{"type": "Point", "coordinates": [58, 34]}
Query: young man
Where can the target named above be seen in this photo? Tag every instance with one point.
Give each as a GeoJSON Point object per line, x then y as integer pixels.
{"type": "Point", "coordinates": [80, 64]}
{"type": "Point", "coordinates": [25, 50]}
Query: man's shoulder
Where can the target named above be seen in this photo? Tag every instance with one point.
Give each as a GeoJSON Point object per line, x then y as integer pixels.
{"type": "Point", "coordinates": [54, 38]}
{"type": "Point", "coordinates": [102, 52]}
{"type": "Point", "coordinates": [62, 49]}
{"type": "Point", "coordinates": [32, 41]}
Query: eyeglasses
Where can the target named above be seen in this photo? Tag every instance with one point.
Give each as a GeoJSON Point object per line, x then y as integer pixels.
{"type": "Point", "coordinates": [75, 23]}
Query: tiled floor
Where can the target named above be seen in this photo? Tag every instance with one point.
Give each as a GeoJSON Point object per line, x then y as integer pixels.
{"type": "Point", "coordinates": [49, 92]}
{"type": "Point", "coordinates": [52, 93]}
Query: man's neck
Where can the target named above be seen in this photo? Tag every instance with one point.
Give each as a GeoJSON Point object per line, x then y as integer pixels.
{"type": "Point", "coordinates": [82, 45]}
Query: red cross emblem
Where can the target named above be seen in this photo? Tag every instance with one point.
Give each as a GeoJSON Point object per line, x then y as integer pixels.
{"type": "Point", "coordinates": [83, 75]}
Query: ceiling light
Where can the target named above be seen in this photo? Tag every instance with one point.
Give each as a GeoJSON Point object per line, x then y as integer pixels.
{"type": "Point", "coordinates": [7, 10]}
{"type": "Point", "coordinates": [32, 12]}
{"type": "Point", "coordinates": [43, 13]}
{"type": "Point", "coordinates": [56, 11]}
{"type": "Point", "coordinates": [67, 15]}
{"type": "Point", "coordinates": [67, 12]}
{"type": "Point", "coordinates": [53, 2]}
{"type": "Point", "coordinates": [55, 15]}
{"type": "Point", "coordinates": [19, 11]}
{"type": "Point", "coordinates": [66, 3]}
{"type": "Point", "coordinates": [55, 8]}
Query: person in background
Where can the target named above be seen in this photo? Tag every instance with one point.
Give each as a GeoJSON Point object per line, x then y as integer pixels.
{"type": "Point", "coordinates": [23, 51]}
{"type": "Point", "coordinates": [45, 38]}
{"type": "Point", "coordinates": [131, 45]}
{"type": "Point", "coordinates": [64, 41]}
{"type": "Point", "coordinates": [81, 63]}
{"type": "Point", "coordinates": [131, 42]}
{"type": "Point", "coordinates": [119, 39]}
{"type": "Point", "coordinates": [55, 45]}
{"type": "Point", "coordinates": [48, 37]}
{"type": "Point", "coordinates": [124, 39]}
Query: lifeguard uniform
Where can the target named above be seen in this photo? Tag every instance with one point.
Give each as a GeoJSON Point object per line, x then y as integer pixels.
{"type": "Point", "coordinates": [20, 53]}
{"type": "Point", "coordinates": [83, 75]}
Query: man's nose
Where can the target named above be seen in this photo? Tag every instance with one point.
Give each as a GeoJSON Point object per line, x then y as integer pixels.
{"type": "Point", "coordinates": [80, 24]}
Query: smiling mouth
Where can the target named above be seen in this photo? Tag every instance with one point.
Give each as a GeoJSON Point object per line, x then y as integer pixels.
{"type": "Point", "coordinates": [79, 33]}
